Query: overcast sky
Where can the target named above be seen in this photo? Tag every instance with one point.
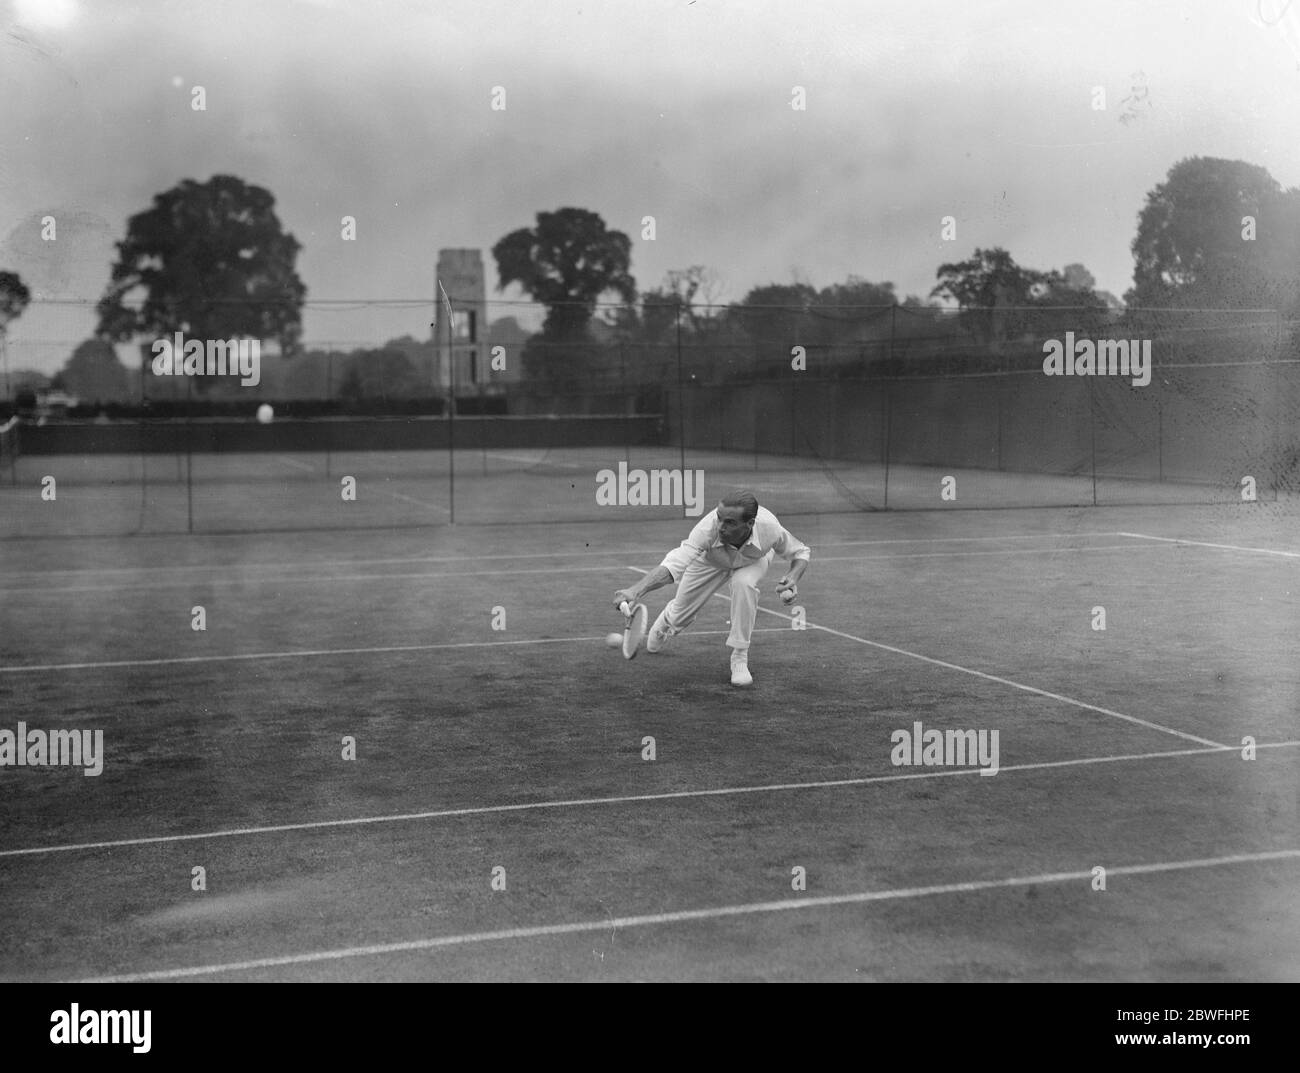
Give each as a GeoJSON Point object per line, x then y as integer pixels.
{"type": "Point", "coordinates": [381, 109]}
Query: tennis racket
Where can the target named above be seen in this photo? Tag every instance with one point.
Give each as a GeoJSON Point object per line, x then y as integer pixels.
{"type": "Point", "coordinates": [635, 628]}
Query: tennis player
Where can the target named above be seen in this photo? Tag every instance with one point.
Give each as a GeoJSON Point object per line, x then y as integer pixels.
{"type": "Point", "coordinates": [734, 544]}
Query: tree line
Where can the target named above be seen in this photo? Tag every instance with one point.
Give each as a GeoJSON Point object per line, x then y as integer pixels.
{"type": "Point", "coordinates": [212, 260]}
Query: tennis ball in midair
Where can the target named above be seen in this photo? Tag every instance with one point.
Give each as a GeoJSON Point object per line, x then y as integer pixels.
{"type": "Point", "coordinates": [614, 640]}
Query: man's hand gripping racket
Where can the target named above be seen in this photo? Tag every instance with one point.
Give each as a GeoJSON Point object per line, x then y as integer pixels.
{"type": "Point", "coordinates": [637, 622]}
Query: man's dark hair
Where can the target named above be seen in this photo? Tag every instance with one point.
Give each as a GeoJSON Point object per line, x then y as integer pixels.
{"type": "Point", "coordinates": [744, 499]}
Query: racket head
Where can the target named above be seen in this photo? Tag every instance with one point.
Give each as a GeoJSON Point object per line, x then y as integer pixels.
{"type": "Point", "coordinates": [638, 623]}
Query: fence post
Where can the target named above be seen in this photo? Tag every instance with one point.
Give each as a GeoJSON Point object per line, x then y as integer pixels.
{"type": "Point", "coordinates": [623, 405]}
{"type": "Point", "coordinates": [144, 465]}
{"type": "Point", "coordinates": [794, 440]}
{"type": "Point", "coordinates": [1160, 441]}
{"type": "Point", "coordinates": [889, 420]}
{"type": "Point", "coordinates": [1092, 428]}
{"type": "Point", "coordinates": [1001, 390]}
{"type": "Point", "coordinates": [893, 320]}
{"type": "Point", "coordinates": [329, 394]}
{"type": "Point", "coordinates": [889, 401]}
{"type": "Point", "coordinates": [189, 449]}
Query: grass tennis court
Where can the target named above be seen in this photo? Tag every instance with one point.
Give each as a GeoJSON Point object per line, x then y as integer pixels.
{"type": "Point", "coordinates": [522, 749]}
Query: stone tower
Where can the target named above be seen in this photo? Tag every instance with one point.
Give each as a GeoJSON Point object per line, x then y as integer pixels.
{"type": "Point", "coordinates": [461, 274]}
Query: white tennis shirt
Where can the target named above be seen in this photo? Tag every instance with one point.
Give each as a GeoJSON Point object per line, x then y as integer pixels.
{"type": "Point", "coordinates": [705, 543]}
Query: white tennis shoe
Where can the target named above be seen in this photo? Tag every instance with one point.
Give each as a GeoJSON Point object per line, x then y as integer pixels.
{"type": "Point", "coordinates": [659, 633]}
{"type": "Point", "coordinates": [740, 675]}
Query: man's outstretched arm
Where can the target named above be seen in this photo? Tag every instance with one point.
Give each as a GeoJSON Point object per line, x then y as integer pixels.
{"type": "Point", "coordinates": [655, 579]}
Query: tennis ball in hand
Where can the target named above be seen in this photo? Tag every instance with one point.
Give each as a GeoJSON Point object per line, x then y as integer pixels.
{"type": "Point", "coordinates": [614, 640]}
{"type": "Point", "coordinates": [788, 595]}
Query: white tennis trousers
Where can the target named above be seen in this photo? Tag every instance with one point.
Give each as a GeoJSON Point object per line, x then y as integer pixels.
{"type": "Point", "coordinates": [701, 580]}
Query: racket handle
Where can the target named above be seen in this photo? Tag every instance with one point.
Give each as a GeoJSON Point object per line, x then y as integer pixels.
{"type": "Point", "coordinates": [625, 607]}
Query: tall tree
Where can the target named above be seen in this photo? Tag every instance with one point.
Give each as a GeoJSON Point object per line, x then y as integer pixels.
{"type": "Point", "coordinates": [988, 279]}
{"type": "Point", "coordinates": [567, 262]}
{"type": "Point", "coordinates": [1000, 299]}
{"type": "Point", "coordinates": [210, 260]}
{"type": "Point", "coordinates": [1195, 247]}
{"type": "Point", "coordinates": [14, 297]}
{"type": "Point", "coordinates": [94, 373]}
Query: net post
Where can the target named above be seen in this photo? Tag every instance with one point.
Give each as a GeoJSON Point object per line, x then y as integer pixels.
{"type": "Point", "coordinates": [1160, 441]}
{"type": "Point", "coordinates": [451, 410]}
{"type": "Point", "coordinates": [681, 400]}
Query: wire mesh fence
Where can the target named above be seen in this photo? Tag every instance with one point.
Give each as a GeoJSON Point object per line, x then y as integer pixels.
{"type": "Point", "coordinates": [818, 409]}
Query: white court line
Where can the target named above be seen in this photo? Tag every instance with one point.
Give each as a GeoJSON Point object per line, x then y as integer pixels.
{"type": "Point", "coordinates": [626, 799]}
{"type": "Point", "coordinates": [327, 579]}
{"type": "Point", "coordinates": [687, 915]}
{"type": "Point", "coordinates": [20, 668]}
{"type": "Point", "coordinates": [1225, 547]}
{"type": "Point", "coordinates": [988, 677]}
